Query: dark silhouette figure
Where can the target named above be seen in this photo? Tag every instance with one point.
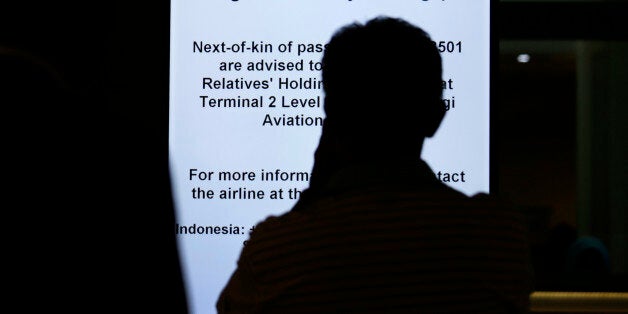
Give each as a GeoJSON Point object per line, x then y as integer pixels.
{"type": "Point", "coordinates": [376, 231]}
{"type": "Point", "coordinates": [88, 213]}
{"type": "Point", "coordinates": [573, 262]}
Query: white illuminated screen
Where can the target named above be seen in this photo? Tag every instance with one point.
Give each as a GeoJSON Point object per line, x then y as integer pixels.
{"type": "Point", "coordinates": [240, 152]}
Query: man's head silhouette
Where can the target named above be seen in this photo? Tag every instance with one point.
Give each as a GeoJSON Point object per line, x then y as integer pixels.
{"type": "Point", "coordinates": [382, 82]}
{"type": "Point", "coordinates": [383, 95]}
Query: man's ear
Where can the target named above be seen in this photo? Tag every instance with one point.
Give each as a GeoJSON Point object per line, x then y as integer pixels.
{"type": "Point", "coordinates": [437, 115]}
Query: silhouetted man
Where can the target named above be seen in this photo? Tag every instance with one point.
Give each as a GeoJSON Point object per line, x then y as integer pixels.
{"type": "Point", "coordinates": [376, 231]}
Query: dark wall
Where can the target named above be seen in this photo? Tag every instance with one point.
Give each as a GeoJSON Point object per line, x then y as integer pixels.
{"type": "Point", "coordinates": [562, 110]}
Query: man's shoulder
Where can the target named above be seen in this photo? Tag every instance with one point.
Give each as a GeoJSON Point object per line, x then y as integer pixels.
{"type": "Point", "coordinates": [401, 202]}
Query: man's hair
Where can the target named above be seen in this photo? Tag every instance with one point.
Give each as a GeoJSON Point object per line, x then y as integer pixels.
{"type": "Point", "coordinates": [383, 75]}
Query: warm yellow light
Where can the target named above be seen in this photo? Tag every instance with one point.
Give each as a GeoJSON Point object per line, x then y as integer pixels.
{"type": "Point", "coordinates": [579, 302]}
